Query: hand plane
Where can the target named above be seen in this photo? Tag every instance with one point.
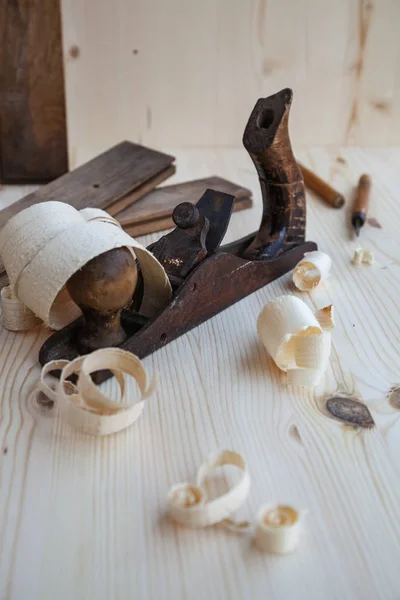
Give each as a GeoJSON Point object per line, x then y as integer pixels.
{"type": "Point", "coordinates": [206, 277]}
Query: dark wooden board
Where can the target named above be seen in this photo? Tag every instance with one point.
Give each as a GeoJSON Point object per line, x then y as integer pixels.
{"type": "Point", "coordinates": [154, 225]}
{"type": "Point", "coordinates": [33, 138]}
{"type": "Point", "coordinates": [102, 181]}
{"type": "Point", "coordinates": [141, 191]}
{"type": "Point", "coordinates": [153, 212]}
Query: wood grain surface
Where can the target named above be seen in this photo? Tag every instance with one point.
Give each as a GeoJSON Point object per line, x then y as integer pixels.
{"type": "Point", "coordinates": [84, 518]}
{"type": "Point", "coordinates": [143, 190]}
{"type": "Point", "coordinates": [101, 182]}
{"type": "Point", "coordinates": [153, 212]}
{"type": "Point", "coordinates": [154, 225]}
{"type": "Point", "coordinates": [33, 137]}
{"type": "Point", "coordinates": [162, 86]}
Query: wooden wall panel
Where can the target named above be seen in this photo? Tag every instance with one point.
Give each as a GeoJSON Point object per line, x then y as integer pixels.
{"type": "Point", "coordinates": [33, 143]}
{"type": "Point", "coordinates": [379, 95]}
{"type": "Point", "coordinates": [187, 73]}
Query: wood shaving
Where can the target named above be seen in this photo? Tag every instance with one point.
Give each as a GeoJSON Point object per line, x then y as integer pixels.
{"type": "Point", "coordinates": [368, 257]}
{"type": "Point", "coordinates": [363, 256]}
{"type": "Point", "coordinates": [308, 350]}
{"type": "Point", "coordinates": [358, 256]}
{"type": "Point", "coordinates": [325, 317]}
{"type": "Point", "coordinates": [295, 339]}
{"type": "Point", "coordinates": [56, 241]}
{"type": "Point", "coordinates": [311, 270]}
{"type": "Point", "coordinates": [279, 528]}
{"type": "Point", "coordinates": [189, 505]}
{"type": "Point", "coordinates": [16, 316]}
{"type": "Point", "coordinates": [83, 405]}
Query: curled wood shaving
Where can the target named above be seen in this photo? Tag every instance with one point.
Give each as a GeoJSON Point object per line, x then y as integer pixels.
{"type": "Point", "coordinates": [358, 256]}
{"type": "Point", "coordinates": [295, 339]}
{"type": "Point", "coordinates": [368, 257]}
{"type": "Point", "coordinates": [56, 241]}
{"type": "Point", "coordinates": [16, 316]}
{"type": "Point", "coordinates": [309, 377]}
{"type": "Point", "coordinates": [363, 256]}
{"type": "Point", "coordinates": [311, 270]}
{"type": "Point", "coordinates": [308, 350]}
{"type": "Point", "coordinates": [279, 528]}
{"type": "Point", "coordinates": [96, 214]}
{"type": "Point", "coordinates": [189, 505]}
{"type": "Point", "coordinates": [83, 405]}
{"type": "Point", "coordinates": [325, 317]}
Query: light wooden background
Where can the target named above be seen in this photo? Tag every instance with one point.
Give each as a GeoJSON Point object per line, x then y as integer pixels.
{"type": "Point", "coordinates": [84, 518]}
{"type": "Point", "coordinates": [188, 72]}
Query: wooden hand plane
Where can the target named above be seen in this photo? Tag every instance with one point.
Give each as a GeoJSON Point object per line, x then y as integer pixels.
{"type": "Point", "coordinates": [206, 277]}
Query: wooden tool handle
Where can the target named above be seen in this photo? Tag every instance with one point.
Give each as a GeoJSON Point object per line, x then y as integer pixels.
{"type": "Point", "coordinates": [266, 139]}
{"type": "Point", "coordinates": [322, 188]}
{"type": "Point", "coordinates": [362, 196]}
{"type": "Point", "coordinates": [101, 289]}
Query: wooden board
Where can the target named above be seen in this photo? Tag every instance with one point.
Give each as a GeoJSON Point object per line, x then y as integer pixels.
{"type": "Point", "coordinates": [103, 181]}
{"type": "Point", "coordinates": [33, 139]}
{"type": "Point", "coordinates": [153, 212]}
{"type": "Point", "coordinates": [341, 58]}
{"type": "Point", "coordinates": [132, 197]}
{"type": "Point", "coordinates": [152, 226]}
{"type": "Point", "coordinates": [84, 518]}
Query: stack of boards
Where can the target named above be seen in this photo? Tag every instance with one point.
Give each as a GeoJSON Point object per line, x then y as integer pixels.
{"type": "Point", "coordinates": [122, 181]}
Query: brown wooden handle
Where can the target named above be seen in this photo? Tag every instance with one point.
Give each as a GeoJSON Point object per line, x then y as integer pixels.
{"type": "Point", "coordinates": [362, 196]}
{"type": "Point", "coordinates": [322, 188]}
{"type": "Point", "coordinates": [101, 289]}
{"type": "Point", "coordinates": [266, 139]}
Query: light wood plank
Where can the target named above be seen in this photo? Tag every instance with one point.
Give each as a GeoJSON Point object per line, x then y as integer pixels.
{"type": "Point", "coordinates": [85, 518]}
{"type": "Point", "coordinates": [187, 73]}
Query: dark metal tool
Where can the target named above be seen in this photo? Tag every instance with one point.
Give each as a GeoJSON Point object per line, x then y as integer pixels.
{"type": "Point", "coordinates": [207, 278]}
{"type": "Point", "coordinates": [360, 209]}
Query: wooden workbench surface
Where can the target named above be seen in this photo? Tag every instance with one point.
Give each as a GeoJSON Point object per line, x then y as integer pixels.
{"type": "Point", "coordinates": [84, 518]}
